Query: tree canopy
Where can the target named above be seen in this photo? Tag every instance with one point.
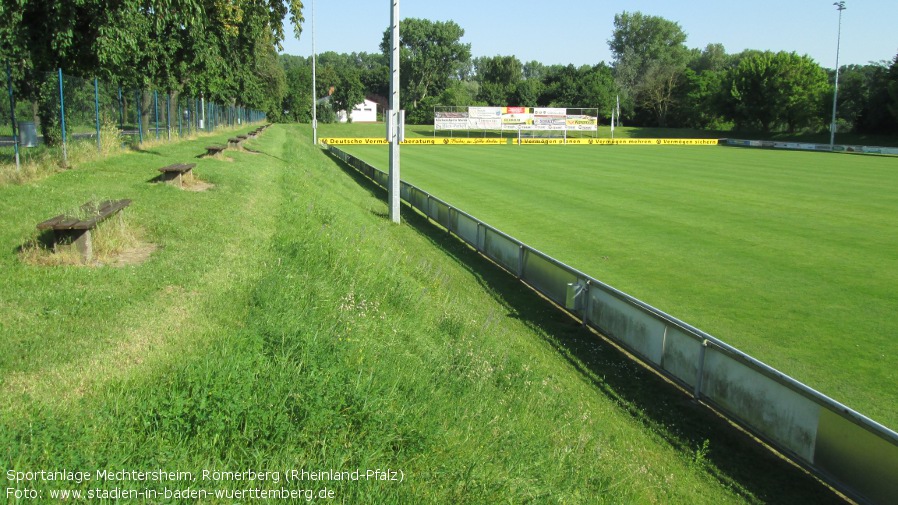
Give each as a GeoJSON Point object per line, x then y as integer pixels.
{"type": "Point", "coordinates": [431, 53]}
{"type": "Point", "coordinates": [225, 49]}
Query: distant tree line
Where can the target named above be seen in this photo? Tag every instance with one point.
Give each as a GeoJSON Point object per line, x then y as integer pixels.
{"type": "Point", "coordinates": [225, 50]}
{"type": "Point", "coordinates": [659, 80]}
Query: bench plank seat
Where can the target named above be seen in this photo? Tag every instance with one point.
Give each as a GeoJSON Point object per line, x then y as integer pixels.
{"type": "Point", "coordinates": [74, 232]}
{"type": "Point", "coordinates": [210, 150]}
{"type": "Point", "coordinates": [177, 173]}
{"type": "Point", "coordinates": [180, 168]}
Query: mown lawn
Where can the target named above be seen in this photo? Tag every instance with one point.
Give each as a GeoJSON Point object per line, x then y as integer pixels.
{"type": "Point", "coordinates": [789, 256]}
{"type": "Point", "coordinates": [285, 324]}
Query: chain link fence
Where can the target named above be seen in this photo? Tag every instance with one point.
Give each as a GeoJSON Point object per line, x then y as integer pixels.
{"type": "Point", "coordinates": [52, 114]}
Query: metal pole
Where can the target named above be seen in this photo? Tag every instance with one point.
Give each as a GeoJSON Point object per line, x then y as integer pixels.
{"type": "Point", "coordinates": [139, 118]}
{"type": "Point", "coordinates": [393, 130]}
{"type": "Point", "coordinates": [97, 110]}
{"type": "Point", "coordinates": [121, 111]}
{"type": "Point", "coordinates": [65, 157]}
{"type": "Point", "coordinates": [12, 113]}
{"type": "Point", "coordinates": [168, 114]}
{"type": "Point", "coordinates": [314, 98]}
{"type": "Point", "coordinates": [832, 127]}
{"type": "Point", "coordinates": [156, 110]}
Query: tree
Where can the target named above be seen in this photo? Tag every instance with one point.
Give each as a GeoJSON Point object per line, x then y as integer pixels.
{"type": "Point", "coordinates": [650, 57]}
{"type": "Point", "coordinates": [431, 52]}
{"type": "Point", "coordinates": [768, 90]}
{"type": "Point", "coordinates": [349, 90]}
{"type": "Point", "coordinates": [221, 48]}
{"type": "Point", "coordinates": [297, 101]}
{"type": "Point", "coordinates": [892, 88]}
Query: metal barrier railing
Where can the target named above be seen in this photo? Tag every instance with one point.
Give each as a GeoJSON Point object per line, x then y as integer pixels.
{"type": "Point", "coordinates": [853, 453]}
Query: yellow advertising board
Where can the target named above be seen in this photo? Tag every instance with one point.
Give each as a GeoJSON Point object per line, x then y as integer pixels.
{"type": "Point", "coordinates": [407, 142]}
{"type": "Point", "coordinates": [460, 141]}
{"type": "Point", "coordinates": [622, 142]}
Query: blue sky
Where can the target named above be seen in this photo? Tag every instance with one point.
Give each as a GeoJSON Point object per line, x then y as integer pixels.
{"type": "Point", "coordinates": [577, 31]}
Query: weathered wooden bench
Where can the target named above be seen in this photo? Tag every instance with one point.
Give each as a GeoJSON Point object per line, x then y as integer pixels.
{"type": "Point", "coordinates": [74, 231]}
{"type": "Point", "coordinates": [235, 141]}
{"type": "Point", "coordinates": [177, 173]}
{"type": "Point", "coordinates": [211, 150]}
{"type": "Point", "coordinates": [242, 137]}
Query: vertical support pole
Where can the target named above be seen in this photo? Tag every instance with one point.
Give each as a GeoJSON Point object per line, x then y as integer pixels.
{"type": "Point", "coordinates": [139, 118]}
{"type": "Point", "coordinates": [65, 157]}
{"type": "Point", "coordinates": [97, 111]}
{"type": "Point", "coordinates": [121, 111]}
{"type": "Point", "coordinates": [393, 186]}
{"type": "Point", "coordinates": [168, 114]}
{"type": "Point", "coordinates": [202, 117]}
{"type": "Point", "coordinates": [178, 107]}
{"type": "Point", "coordinates": [587, 305]}
{"type": "Point", "coordinates": [12, 113]}
{"type": "Point", "coordinates": [156, 111]}
{"type": "Point", "coordinates": [314, 98]}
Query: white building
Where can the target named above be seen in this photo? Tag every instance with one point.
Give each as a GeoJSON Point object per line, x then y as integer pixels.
{"type": "Point", "coordinates": [365, 112]}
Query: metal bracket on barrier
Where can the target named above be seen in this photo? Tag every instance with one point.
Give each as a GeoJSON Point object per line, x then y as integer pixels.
{"type": "Point", "coordinates": [574, 299]}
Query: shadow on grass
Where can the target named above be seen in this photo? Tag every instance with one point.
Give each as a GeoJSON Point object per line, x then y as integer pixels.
{"type": "Point", "coordinates": [738, 460]}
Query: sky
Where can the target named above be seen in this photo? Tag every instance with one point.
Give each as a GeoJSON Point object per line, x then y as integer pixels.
{"type": "Point", "coordinates": [577, 31]}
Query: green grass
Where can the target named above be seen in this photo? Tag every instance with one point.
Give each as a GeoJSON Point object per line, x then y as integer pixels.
{"type": "Point", "coordinates": [789, 256]}
{"type": "Point", "coordinates": [284, 323]}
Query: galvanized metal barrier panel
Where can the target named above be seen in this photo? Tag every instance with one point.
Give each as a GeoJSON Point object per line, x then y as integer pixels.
{"type": "Point", "coordinates": [780, 413]}
{"type": "Point", "coordinates": [855, 454]}
{"type": "Point", "coordinates": [502, 249]}
{"type": "Point", "coordinates": [628, 323]}
{"type": "Point", "coordinates": [680, 355]}
{"type": "Point", "coordinates": [439, 212]}
{"type": "Point", "coordinates": [465, 226]}
{"type": "Point", "coordinates": [856, 457]}
{"type": "Point", "coordinates": [551, 279]}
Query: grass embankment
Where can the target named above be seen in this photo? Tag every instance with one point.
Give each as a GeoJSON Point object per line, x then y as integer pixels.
{"type": "Point", "coordinates": [787, 255]}
{"type": "Point", "coordinates": [285, 324]}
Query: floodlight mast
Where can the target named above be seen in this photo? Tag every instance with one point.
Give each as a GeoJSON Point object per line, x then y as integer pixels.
{"type": "Point", "coordinates": [393, 126]}
{"type": "Point", "coordinates": [840, 6]}
{"type": "Point", "coordinates": [314, 98]}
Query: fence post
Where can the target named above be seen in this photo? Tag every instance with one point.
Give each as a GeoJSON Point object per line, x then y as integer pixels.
{"type": "Point", "coordinates": [139, 118]}
{"type": "Point", "coordinates": [156, 111]}
{"type": "Point", "coordinates": [168, 114]}
{"type": "Point", "coordinates": [12, 113]}
{"type": "Point", "coordinates": [121, 111]}
{"type": "Point", "coordinates": [178, 106]}
{"type": "Point", "coordinates": [97, 111]}
{"type": "Point", "coordinates": [65, 157]}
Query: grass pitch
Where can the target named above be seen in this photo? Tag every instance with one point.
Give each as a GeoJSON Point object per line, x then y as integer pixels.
{"type": "Point", "coordinates": [789, 256]}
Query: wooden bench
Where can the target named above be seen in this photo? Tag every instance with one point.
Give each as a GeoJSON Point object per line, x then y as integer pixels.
{"type": "Point", "coordinates": [74, 232]}
{"type": "Point", "coordinates": [211, 150]}
{"type": "Point", "coordinates": [236, 141]}
{"type": "Point", "coordinates": [177, 172]}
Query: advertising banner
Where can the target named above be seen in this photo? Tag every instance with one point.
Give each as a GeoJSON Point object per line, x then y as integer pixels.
{"type": "Point", "coordinates": [485, 112]}
{"type": "Point", "coordinates": [450, 123]}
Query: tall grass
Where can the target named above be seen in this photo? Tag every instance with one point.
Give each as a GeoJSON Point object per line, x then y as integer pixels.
{"type": "Point", "coordinates": [41, 161]}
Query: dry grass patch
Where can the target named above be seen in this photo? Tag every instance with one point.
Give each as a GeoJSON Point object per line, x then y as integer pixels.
{"type": "Point", "coordinates": [116, 242]}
